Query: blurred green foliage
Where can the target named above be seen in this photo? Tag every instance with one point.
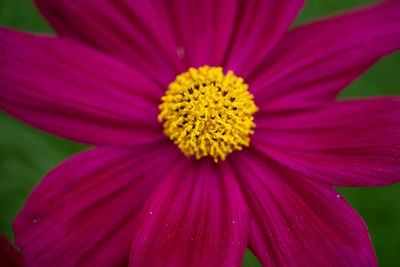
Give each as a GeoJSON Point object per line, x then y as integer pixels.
{"type": "Point", "coordinates": [26, 154]}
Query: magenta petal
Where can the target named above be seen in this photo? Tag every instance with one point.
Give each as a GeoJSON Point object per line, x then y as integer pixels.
{"type": "Point", "coordinates": [314, 62]}
{"type": "Point", "coordinates": [347, 143]}
{"type": "Point", "coordinates": [225, 33]}
{"type": "Point", "coordinates": [69, 90]}
{"type": "Point", "coordinates": [195, 217]}
{"type": "Point", "coordinates": [202, 29]}
{"type": "Point", "coordinates": [298, 222]}
{"type": "Point", "coordinates": [83, 212]}
{"type": "Point", "coordinates": [132, 31]}
{"type": "Point", "coordinates": [9, 256]}
{"type": "Point", "coordinates": [259, 25]}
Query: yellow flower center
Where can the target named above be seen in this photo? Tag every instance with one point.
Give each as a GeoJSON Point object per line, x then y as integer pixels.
{"type": "Point", "coordinates": [207, 113]}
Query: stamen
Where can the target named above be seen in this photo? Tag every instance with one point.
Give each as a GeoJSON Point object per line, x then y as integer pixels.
{"type": "Point", "coordinates": [207, 113]}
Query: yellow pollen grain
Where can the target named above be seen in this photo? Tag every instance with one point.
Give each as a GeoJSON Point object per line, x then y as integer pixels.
{"type": "Point", "coordinates": [207, 113]}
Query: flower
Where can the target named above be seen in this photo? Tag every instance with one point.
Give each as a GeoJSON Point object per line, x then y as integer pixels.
{"type": "Point", "coordinates": [136, 198]}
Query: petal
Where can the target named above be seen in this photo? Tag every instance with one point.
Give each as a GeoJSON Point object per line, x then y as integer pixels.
{"type": "Point", "coordinates": [195, 217]}
{"type": "Point", "coordinates": [9, 256]}
{"type": "Point", "coordinates": [83, 212]}
{"type": "Point", "coordinates": [232, 32]}
{"type": "Point", "coordinates": [259, 25]}
{"type": "Point", "coordinates": [202, 29]}
{"type": "Point", "coordinates": [298, 222]}
{"type": "Point", "coordinates": [69, 90]}
{"type": "Point", "coordinates": [347, 143]}
{"type": "Point", "coordinates": [314, 62]}
{"type": "Point", "coordinates": [131, 31]}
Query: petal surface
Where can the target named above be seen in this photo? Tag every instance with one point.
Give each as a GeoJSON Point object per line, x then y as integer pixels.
{"type": "Point", "coordinates": [83, 212]}
{"type": "Point", "coordinates": [195, 217]}
{"type": "Point", "coordinates": [346, 143]}
{"type": "Point", "coordinates": [227, 33]}
{"type": "Point", "coordinates": [165, 38]}
{"type": "Point", "coordinates": [9, 256]}
{"type": "Point", "coordinates": [298, 222]}
{"type": "Point", "coordinates": [259, 25]}
{"type": "Point", "coordinates": [314, 62]}
{"type": "Point", "coordinates": [201, 29]}
{"type": "Point", "coordinates": [69, 90]}
{"type": "Point", "coordinates": [131, 31]}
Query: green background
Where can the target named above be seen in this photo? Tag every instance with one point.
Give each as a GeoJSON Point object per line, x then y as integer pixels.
{"type": "Point", "coordinates": [27, 154]}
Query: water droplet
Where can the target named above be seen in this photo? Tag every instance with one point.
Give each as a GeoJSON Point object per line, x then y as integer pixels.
{"type": "Point", "coordinates": [151, 213]}
{"type": "Point", "coordinates": [233, 222]}
{"type": "Point", "coordinates": [338, 196]}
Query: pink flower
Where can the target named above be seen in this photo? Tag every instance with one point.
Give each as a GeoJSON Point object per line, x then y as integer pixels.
{"type": "Point", "coordinates": [136, 198]}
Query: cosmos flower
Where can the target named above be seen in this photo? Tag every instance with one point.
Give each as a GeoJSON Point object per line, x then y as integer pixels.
{"type": "Point", "coordinates": [215, 129]}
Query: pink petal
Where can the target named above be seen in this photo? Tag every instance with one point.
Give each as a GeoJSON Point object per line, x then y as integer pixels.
{"type": "Point", "coordinates": [298, 222]}
{"type": "Point", "coordinates": [131, 31]}
{"type": "Point", "coordinates": [347, 143]}
{"type": "Point", "coordinates": [232, 32]}
{"type": "Point", "coordinates": [69, 90]}
{"type": "Point", "coordinates": [259, 25]}
{"type": "Point", "coordinates": [314, 62]}
{"type": "Point", "coordinates": [195, 217]}
{"type": "Point", "coordinates": [83, 212]}
{"type": "Point", "coordinates": [9, 256]}
{"type": "Point", "coordinates": [202, 29]}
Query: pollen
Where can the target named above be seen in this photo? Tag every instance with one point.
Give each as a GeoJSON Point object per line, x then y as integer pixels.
{"type": "Point", "coordinates": [208, 113]}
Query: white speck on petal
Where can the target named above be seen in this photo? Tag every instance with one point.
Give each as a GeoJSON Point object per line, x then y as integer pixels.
{"type": "Point", "coordinates": [181, 52]}
{"type": "Point", "coordinates": [37, 219]}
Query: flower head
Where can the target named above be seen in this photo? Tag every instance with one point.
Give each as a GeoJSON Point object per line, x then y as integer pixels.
{"type": "Point", "coordinates": [216, 129]}
{"type": "Point", "coordinates": [208, 113]}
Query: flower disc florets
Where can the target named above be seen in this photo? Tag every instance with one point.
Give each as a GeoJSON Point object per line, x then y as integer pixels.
{"type": "Point", "coordinates": [207, 113]}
